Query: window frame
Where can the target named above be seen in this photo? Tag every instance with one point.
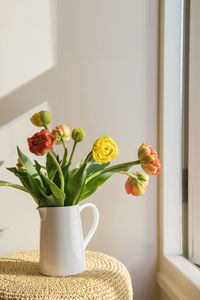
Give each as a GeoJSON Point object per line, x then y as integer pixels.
{"type": "Point", "coordinates": [193, 137]}
{"type": "Point", "coordinates": [177, 276]}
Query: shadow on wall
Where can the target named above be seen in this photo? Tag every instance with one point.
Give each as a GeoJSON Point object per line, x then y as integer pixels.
{"type": "Point", "coordinates": [24, 99]}
{"type": "Point", "coordinates": [27, 55]}
{"type": "Point", "coordinates": [28, 59]}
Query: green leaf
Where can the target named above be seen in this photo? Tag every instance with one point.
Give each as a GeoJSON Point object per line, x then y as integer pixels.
{"type": "Point", "coordinates": [78, 176]}
{"type": "Point", "coordinates": [49, 163]}
{"type": "Point", "coordinates": [46, 189]}
{"type": "Point", "coordinates": [23, 177]}
{"type": "Point", "coordinates": [58, 194]}
{"type": "Point", "coordinates": [80, 163]}
{"type": "Point", "coordinates": [76, 182]}
{"type": "Point", "coordinates": [48, 201]}
{"type": "Point", "coordinates": [66, 173]}
{"type": "Point", "coordinates": [34, 178]}
{"type": "Point", "coordinates": [35, 188]}
{"type": "Point", "coordinates": [52, 173]}
{"type": "Point", "coordinates": [37, 166]}
{"type": "Point", "coordinates": [94, 166]}
{"type": "Point", "coordinates": [93, 185]}
{"type": "Point", "coordinates": [78, 166]}
{"type": "Point", "coordinates": [95, 180]}
{"type": "Point", "coordinates": [28, 182]}
{"type": "Point", "coordinates": [19, 187]}
{"type": "Point", "coordinates": [114, 169]}
{"type": "Point", "coordinates": [31, 170]}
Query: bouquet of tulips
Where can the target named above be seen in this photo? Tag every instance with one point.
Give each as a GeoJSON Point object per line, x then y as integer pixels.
{"type": "Point", "coordinates": [56, 184]}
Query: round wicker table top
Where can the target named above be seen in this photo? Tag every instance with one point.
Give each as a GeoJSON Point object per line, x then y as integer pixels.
{"type": "Point", "coordinates": [105, 278]}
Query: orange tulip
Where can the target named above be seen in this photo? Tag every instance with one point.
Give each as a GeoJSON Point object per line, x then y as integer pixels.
{"type": "Point", "coordinates": [136, 183]}
{"type": "Point", "coordinates": [62, 132]}
{"type": "Point", "coordinates": [149, 159]}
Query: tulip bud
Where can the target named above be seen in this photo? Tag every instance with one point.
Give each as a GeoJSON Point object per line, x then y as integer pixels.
{"type": "Point", "coordinates": [20, 166]}
{"type": "Point", "coordinates": [136, 183]}
{"type": "Point", "coordinates": [149, 159]}
{"type": "Point", "coordinates": [62, 132]}
{"type": "Point", "coordinates": [41, 118]}
{"type": "Point", "coordinates": [78, 135]}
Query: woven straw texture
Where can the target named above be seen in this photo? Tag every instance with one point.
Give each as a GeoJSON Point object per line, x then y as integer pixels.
{"type": "Point", "coordinates": [105, 278]}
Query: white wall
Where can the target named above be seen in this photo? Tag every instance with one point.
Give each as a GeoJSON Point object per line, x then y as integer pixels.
{"type": "Point", "coordinates": [27, 41]}
{"type": "Point", "coordinates": [105, 81]}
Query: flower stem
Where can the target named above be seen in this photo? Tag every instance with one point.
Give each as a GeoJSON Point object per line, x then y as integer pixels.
{"type": "Point", "coordinates": [72, 153]}
{"type": "Point", "coordinates": [19, 187]}
{"type": "Point", "coordinates": [46, 127]}
{"type": "Point", "coordinates": [63, 142]}
{"type": "Point", "coordinates": [131, 163]}
{"type": "Point", "coordinates": [87, 158]}
{"type": "Point", "coordinates": [65, 153]}
{"type": "Point", "coordinates": [125, 166]}
{"type": "Point", "coordinates": [64, 146]}
{"type": "Point", "coordinates": [59, 170]}
{"type": "Point", "coordinates": [128, 174]}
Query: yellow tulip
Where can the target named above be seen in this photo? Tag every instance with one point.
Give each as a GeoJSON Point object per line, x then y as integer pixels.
{"type": "Point", "coordinates": [104, 149]}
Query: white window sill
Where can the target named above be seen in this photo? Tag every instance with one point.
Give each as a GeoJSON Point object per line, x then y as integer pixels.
{"type": "Point", "coordinates": [187, 268]}
{"type": "Point", "coordinates": [179, 278]}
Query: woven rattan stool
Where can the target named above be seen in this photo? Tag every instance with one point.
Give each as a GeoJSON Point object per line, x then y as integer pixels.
{"type": "Point", "coordinates": [105, 278]}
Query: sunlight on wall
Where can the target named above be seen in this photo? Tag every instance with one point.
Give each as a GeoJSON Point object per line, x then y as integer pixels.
{"type": "Point", "coordinates": [27, 32]}
{"type": "Point", "coordinates": [18, 215]}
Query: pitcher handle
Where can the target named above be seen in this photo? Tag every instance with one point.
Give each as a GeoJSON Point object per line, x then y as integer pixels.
{"type": "Point", "coordinates": [94, 223]}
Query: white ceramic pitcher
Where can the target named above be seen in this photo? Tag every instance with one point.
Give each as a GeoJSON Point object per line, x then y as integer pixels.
{"type": "Point", "coordinates": [61, 239]}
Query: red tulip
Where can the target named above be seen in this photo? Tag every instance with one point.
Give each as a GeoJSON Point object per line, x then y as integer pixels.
{"type": "Point", "coordinates": [41, 142]}
{"type": "Point", "coordinates": [149, 159]}
{"type": "Point", "coordinates": [136, 183]}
